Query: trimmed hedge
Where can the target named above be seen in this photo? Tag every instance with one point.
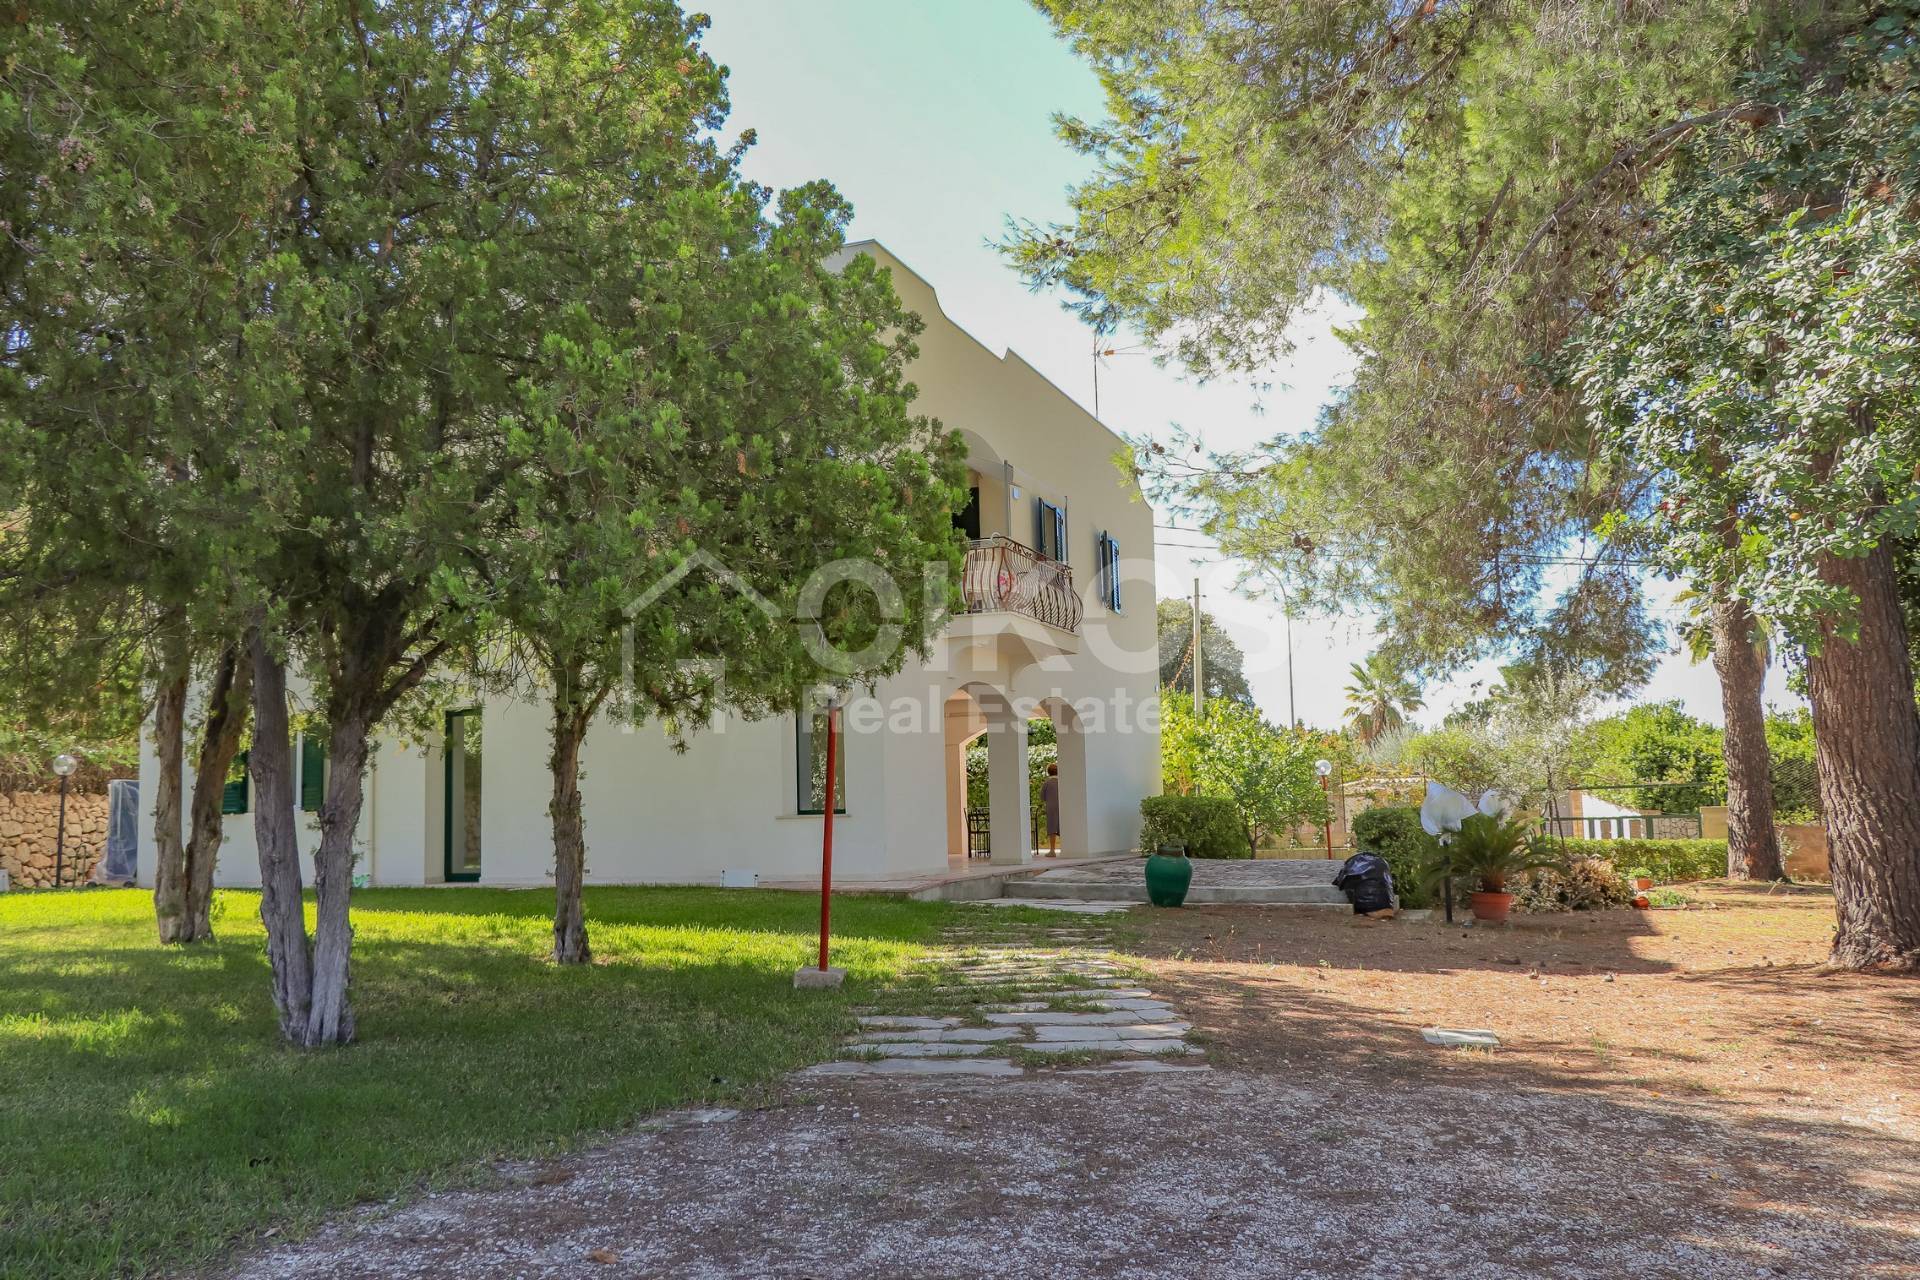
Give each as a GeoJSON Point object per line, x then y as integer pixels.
{"type": "Point", "coordinates": [1394, 832]}
{"type": "Point", "coordinates": [1207, 825]}
{"type": "Point", "coordinates": [1666, 861]}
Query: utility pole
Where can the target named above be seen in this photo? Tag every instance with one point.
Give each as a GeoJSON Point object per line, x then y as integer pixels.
{"type": "Point", "coordinates": [1199, 658]}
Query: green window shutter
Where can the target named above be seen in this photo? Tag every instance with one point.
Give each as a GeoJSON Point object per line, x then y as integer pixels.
{"type": "Point", "coordinates": [1113, 574]}
{"type": "Point", "coordinates": [313, 772]}
{"type": "Point", "coordinates": [233, 797]}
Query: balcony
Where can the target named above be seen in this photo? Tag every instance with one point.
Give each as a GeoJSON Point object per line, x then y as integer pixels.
{"type": "Point", "coordinates": [1003, 576]}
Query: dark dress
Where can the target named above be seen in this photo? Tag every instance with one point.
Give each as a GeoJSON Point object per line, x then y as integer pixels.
{"type": "Point", "coordinates": [1050, 797]}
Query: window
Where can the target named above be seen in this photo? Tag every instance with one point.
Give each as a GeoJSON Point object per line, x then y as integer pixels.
{"type": "Point", "coordinates": [810, 757]}
{"type": "Point", "coordinates": [1106, 562]}
{"type": "Point", "coordinates": [461, 754]}
{"type": "Point", "coordinates": [1050, 527]}
{"type": "Point", "coordinates": [967, 518]}
{"type": "Point", "coordinates": [313, 768]}
{"type": "Point", "coordinates": [233, 796]}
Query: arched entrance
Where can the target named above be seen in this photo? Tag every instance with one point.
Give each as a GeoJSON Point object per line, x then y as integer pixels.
{"type": "Point", "coordinates": [1070, 754]}
{"type": "Point", "coordinates": [973, 711]}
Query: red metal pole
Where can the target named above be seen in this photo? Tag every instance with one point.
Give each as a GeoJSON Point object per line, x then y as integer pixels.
{"type": "Point", "coordinates": [826, 845]}
{"type": "Point", "coordinates": [1327, 793]}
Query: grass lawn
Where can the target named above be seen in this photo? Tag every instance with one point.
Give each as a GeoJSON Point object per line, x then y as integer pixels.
{"type": "Point", "coordinates": [150, 1119]}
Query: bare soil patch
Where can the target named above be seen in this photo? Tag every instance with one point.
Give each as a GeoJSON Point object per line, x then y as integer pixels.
{"type": "Point", "coordinates": [1673, 1122]}
{"type": "Point", "coordinates": [1723, 1002]}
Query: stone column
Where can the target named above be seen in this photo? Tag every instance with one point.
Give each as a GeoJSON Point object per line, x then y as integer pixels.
{"type": "Point", "coordinates": [1008, 798]}
{"type": "Point", "coordinates": [956, 755]}
{"type": "Point", "coordinates": [1075, 841]}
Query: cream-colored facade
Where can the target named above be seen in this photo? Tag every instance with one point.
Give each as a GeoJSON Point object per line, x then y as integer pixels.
{"type": "Point", "coordinates": [1045, 635]}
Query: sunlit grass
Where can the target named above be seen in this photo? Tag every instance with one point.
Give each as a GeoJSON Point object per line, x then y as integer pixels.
{"type": "Point", "coordinates": [150, 1120]}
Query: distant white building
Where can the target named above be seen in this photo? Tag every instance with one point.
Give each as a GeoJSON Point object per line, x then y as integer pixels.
{"type": "Point", "coordinates": [1059, 622]}
{"type": "Point", "coordinates": [1587, 816]}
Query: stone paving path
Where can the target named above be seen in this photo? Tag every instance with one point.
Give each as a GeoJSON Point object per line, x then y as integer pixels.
{"type": "Point", "coordinates": [1074, 906]}
{"type": "Point", "coordinates": [997, 1007]}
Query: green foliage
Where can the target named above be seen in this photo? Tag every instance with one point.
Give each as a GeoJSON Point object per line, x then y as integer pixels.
{"type": "Point", "coordinates": [1225, 665]}
{"type": "Point", "coordinates": [1381, 696]}
{"type": "Point", "coordinates": [1660, 743]}
{"type": "Point", "coordinates": [1537, 738]}
{"type": "Point", "coordinates": [1760, 367]}
{"type": "Point", "coordinates": [1583, 884]}
{"type": "Point", "coordinates": [1661, 859]}
{"type": "Point", "coordinates": [1472, 177]}
{"type": "Point", "coordinates": [1796, 780]}
{"type": "Point", "coordinates": [1043, 749]}
{"type": "Point", "coordinates": [1267, 773]}
{"type": "Point", "coordinates": [1460, 756]}
{"type": "Point", "coordinates": [1209, 826]}
{"type": "Point", "coordinates": [160, 1091]}
{"type": "Point", "coordinates": [1394, 832]}
{"type": "Point", "coordinates": [1488, 851]}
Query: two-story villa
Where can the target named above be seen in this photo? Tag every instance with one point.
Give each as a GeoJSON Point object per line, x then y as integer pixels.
{"type": "Point", "coordinates": [1059, 623]}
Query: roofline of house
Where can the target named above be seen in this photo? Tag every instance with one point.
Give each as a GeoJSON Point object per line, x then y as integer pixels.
{"type": "Point", "coordinates": [1004, 354]}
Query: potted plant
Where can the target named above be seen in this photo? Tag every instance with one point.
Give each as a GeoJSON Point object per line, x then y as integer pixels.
{"type": "Point", "coordinates": [1169, 873]}
{"type": "Point", "coordinates": [1642, 878]}
{"type": "Point", "coordinates": [1488, 851]}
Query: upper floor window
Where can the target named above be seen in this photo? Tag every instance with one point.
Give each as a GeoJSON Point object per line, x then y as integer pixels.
{"type": "Point", "coordinates": [1050, 530]}
{"type": "Point", "coordinates": [1106, 570]}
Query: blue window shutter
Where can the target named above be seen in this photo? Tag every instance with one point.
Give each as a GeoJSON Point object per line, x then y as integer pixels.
{"type": "Point", "coordinates": [1113, 575]}
{"type": "Point", "coordinates": [1059, 533]}
{"type": "Point", "coordinates": [1040, 525]}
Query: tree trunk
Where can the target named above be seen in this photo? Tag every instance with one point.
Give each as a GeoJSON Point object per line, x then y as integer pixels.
{"type": "Point", "coordinates": [169, 734]}
{"type": "Point", "coordinates": [1753, 847]}
{"type": "Point", "coordinates": [219, 743]}
{"type": "Point", "coordinates": [1867, 746]}
{"type": "Point", "coordinates": [569, 829]}
{"type": "Point", "coordinates": [271, 763]}
{"type": "Point", "coordinates": [331, 1018]}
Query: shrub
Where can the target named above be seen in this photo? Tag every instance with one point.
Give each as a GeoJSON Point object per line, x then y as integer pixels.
{"type": "Point", "coordinates": [1394, 832]}
{"type": "Point", "coordinates": [1584, 884]}
{"type": "Point", "coordinates": [1487, 852]}
{"type": "Point", "coordinates": [1208, 825]}
{"type": "Point", "coordinates": [1664, 860]}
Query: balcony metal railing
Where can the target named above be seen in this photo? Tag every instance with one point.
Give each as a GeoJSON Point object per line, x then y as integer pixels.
{"type": "Point", "coordinates": [1003, 576]}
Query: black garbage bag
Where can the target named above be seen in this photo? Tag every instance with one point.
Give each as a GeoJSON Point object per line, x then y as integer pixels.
{"type": "Point", "coordinates": [1367, 882]}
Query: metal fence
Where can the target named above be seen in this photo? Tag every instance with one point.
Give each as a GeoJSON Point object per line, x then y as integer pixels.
{"type": "Point", "coordinates": [980, 833]}
{"type": "Point", "coordinates": [1004, 576]}
{"type": "Point", "coordinates": [1646, 826]}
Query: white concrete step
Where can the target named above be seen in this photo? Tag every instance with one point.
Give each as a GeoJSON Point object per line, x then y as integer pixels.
{"type": "Point", "coordinates": [1293, 895]}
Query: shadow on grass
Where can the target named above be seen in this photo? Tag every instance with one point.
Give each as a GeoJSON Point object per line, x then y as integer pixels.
{"type": "Point", "coordinates": [152, 1118]}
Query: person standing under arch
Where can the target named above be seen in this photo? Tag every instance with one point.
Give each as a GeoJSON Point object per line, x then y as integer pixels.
{"type": "Point", "coordinates": [1050, 800]}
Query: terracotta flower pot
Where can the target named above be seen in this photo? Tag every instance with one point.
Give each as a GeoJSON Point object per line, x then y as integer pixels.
{"type": "Point", "coordinates": [1491, 907]}
{"type": "Point", "coordinates": [1643, 882]}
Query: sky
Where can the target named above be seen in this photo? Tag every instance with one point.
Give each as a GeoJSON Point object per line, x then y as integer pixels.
{"type": "Point", "coordinates": [934, 118]}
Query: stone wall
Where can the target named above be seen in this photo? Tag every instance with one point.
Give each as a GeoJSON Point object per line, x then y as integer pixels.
{"type": "Point", "coordinates": [29, 828]}
{"type": "Point", "coordinates": [1803, 845]}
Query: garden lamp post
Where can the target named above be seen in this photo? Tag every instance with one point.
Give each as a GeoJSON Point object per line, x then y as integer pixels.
{"type": "Point", "coordinates": [1324, 768]}
{"type": "Point", "coordinates": [63, 765]}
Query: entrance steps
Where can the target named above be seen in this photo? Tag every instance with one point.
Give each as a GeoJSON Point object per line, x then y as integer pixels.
{"type": "Point", "coordinates": [1273, 882]}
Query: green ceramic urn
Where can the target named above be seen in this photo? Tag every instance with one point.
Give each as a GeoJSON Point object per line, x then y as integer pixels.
{"type": "Point", "coordinates": [1168, 875]}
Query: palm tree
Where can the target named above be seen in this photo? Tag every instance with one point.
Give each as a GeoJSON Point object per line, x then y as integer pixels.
{"type": "Point", "coordinates": [1380, 697]}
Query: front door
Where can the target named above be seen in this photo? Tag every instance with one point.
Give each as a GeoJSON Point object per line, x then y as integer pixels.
{"type": "Point", "coordinates": [463, 795]}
